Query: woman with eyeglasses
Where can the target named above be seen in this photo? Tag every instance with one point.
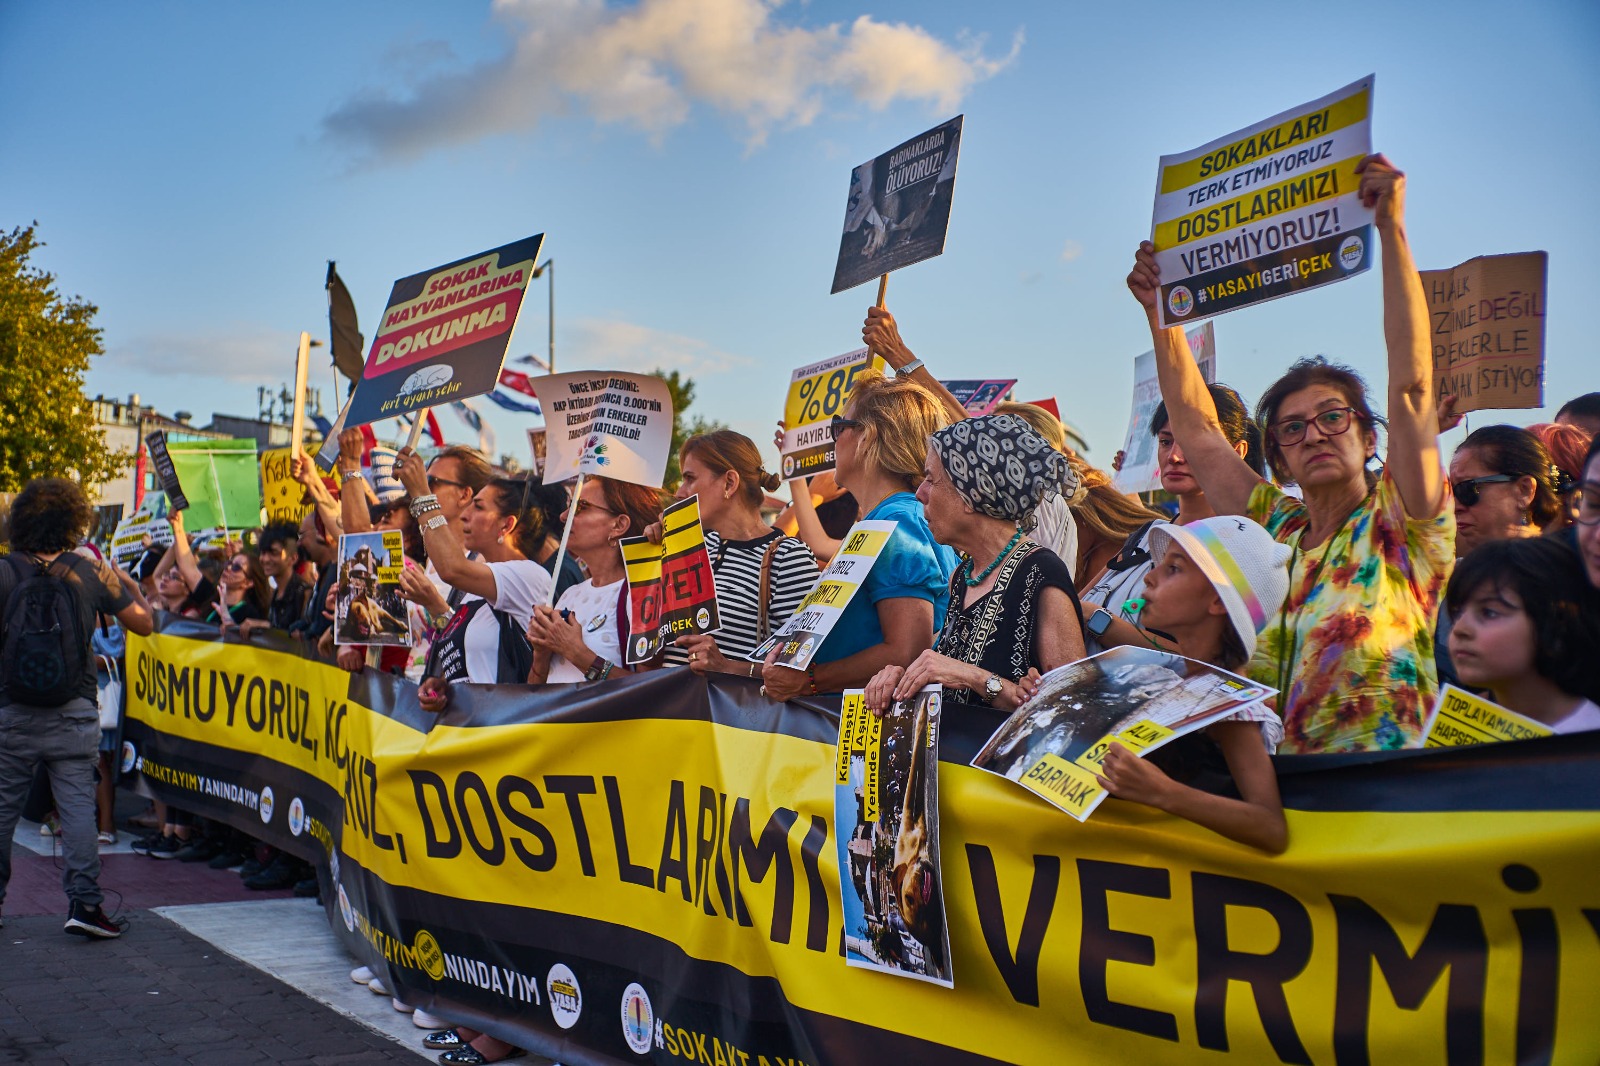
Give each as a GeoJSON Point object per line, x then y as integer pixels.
{"type": "Point", "coordinates": [1586, 515]}
{"type": "Point", "coordinates": [1567, 445]}
{"type": "Point", "coordinates": [582, 636]}
{"type": "Point", "coordinates": [1351, 651]}
{"type": "Point", "coordinates": [880, 444]}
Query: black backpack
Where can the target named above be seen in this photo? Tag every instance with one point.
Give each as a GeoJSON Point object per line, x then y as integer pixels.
{"type": "Point", "coordinates": [43, 659]}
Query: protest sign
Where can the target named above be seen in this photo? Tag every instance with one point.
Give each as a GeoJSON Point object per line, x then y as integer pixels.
{"type": "Point", "coordinates": [814, 619]}
{"type": "Point", "coordinates": [816, 393]}
{"type": "Point", "coordinates": [898, 210]}
{"type": "Point", "coordinates": [107, 517]}
{"type": "Point", "coordinates": [537, 445]}
{"type": "Point", "coordinates": [1487, 324]}
{"type": "Point", "coordinates": [141, 530]}
{"type": "Point", "coordinates": [886, 833]}
{"type": "Point", "coordinates": [1460, 718]}
{"type": "Point", "coordinates": [606, 422]}
{"type": "Point", "coordinates": [1141, 472]}
{"type": "Point", "coordinates": [980, 397]}
{"type": "Point", "coordinates": [1268, 211]}
{"type": "Point", "coordinates": [222, 481]}
{"type": "Point", "coordinates": [671, 590]}
{"type": "Point", "coordinates": [282, 497]}
{"type": "Point", "coordinates": [368, 608]}
{"type": "Point", "coordinates": [666, 840]}
{"type": "Point", "coordinates": [161, 459]}
{"type": "Point", "coordinates": [1049, 404]}
{"type": "Point", "coordinates": [444, 333]}
{"type": "Point", "coordinates": [1141, 698]}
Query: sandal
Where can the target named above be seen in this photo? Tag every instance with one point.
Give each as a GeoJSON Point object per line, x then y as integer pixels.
{"type": "Point", "coordinates": [443, 1040]}
{"type": "Point", "coordinates": [467, 1055]}
{"type": "Point", "coordinates": [107, 836]}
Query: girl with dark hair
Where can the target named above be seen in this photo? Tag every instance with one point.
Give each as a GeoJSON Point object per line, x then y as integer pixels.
{"type": "Point", "coordinates": [761, 575]}
{"type": "Point", "coordinates": [581, 637]}
{"type": "Point", "coordinates": [246, 592]}
{"type": "Point", "coordinates": [1527, 629]}
{"type": "Point", "coordinates": [1351, 651]}
{"type": "Point", "coordinates": [496, 586]}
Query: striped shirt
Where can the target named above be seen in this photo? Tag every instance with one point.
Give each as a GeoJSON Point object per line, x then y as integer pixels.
{"type": "Point", "coordinates": [736, 565]}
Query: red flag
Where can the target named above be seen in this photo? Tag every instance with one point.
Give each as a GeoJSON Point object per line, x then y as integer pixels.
{"type": "Point", "coordinates": [511, 379]}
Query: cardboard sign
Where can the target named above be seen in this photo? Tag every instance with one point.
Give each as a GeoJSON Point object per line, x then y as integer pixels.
{"type": "Point", "coordinates": [1268, 211]}
{"type": "Point", "coordinates": [369, 608]}
{"type": "Point", "coordinates": [671, 590]}
{"type": "Point", "coordinates": [886, 828]}
{"type": "Point", "coordinates": [816, 393]}
{"type": "Point", "coordinates": [161, 460]}
{"type": "Point", "coordinates": [1141, 471]}
{"type": "Point", "coordinates": [1487, 324]}
{"type": "Point", "coordinates": [609, 423]}
{"type": "Point", "coordinates": [282, 497]}
{"type": "Point", "coordinates": [981, 397]}
{"type": "Point", "coordinates": [444, 333]}
{"type": "Point", "coordinates": [1141, 698]}
{"type": "Point", "coordinates": [835, 587]}
{"type": "Point", "coordinates": [1459, 718]}
{"type": "Point", "coordinates": [898, 210]}
{"type": "Point", "coordinates": [538, 445]}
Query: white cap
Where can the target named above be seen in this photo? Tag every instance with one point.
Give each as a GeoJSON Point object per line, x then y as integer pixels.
{"type": "Point", "coordinates": [1249, 570]}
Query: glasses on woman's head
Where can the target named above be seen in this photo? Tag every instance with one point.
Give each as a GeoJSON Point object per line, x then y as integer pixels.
{"type": "Point", "coordinates": [1331, 423]}
{"type": "Point", "coordinates": [1467, 493]}
{"type": "Point", "coordinates": [838, 425]}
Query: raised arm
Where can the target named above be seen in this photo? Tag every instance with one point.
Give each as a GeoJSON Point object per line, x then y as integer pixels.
{"type": "Point", "coordinates": [182, 552]}
{"type": "Point", "coordinates": [882, 336]}
{"type": "Point", "coordinates": [355, 495]}
{"type": "Point", "coordinates": [1413, 459]}
{"type": "Point", "coordinates": [1192, 415]}
{"type": "Point", "coordinates": [444, 548]}
{"type": "Point", "coordinates": [304, 470]}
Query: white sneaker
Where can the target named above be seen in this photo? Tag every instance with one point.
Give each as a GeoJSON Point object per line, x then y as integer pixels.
{"type": "Point", "coordinates": [403, 1008]}
{"type": "Point", "coordinates": [423, 1020]}
{"type": "Point", "coordinates": [378, 987]}
{"type": "Point", "coordinates": [362, 975]}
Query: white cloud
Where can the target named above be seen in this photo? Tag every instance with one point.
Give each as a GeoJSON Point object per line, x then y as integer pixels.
{"type": "Point", "coordinates": [610, 344]}
{"type": "Point", "coordinates": [250, 353]}
{"type": "Point", "coordinates": [648, 65]}
{"type": "Point", "coordinates": [1070, 251]}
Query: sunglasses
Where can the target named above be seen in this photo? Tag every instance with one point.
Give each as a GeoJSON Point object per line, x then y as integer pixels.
{"type": "Point", "coordinates": [1333, 422]}
{"type": "Point", "coordinates": [235, 566]}
{"type": "Point", "coordinates": [435, 482]}
{"type": "Point", "coordinates": [838, 425]}
{"type": "Point", "coordinates": [1466, 492]}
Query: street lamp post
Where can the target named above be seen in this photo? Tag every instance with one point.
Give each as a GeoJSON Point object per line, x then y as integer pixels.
{"type": "Point", "coordinates": [549, 266]}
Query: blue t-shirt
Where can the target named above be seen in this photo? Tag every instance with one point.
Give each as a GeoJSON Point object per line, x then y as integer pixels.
{"type": "Point", "coordinates": [913, 565]}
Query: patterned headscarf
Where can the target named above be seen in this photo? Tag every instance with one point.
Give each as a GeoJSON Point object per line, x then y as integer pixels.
{"type": "Point", "coordinates": [1002, 468]}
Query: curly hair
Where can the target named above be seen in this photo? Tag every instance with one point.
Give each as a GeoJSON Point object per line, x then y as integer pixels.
{"type": "Point", "coordinates": [1302, 375]}
{"type": "Point", "coordinates": [50, 514]}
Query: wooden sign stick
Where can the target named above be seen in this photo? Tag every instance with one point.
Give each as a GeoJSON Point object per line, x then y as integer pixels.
{"type": "Point", "coordinates": [297, 431]}
{"type": "Point", "coordinates": [883, 286]}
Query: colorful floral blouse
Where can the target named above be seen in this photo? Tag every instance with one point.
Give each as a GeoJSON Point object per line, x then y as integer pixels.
{"type": "Point", "coordinates": [1357, 627]}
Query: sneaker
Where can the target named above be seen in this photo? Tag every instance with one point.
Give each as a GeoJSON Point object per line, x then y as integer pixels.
{"type": "Point", "coordinates": [165, 848]}
{"type": "Point", "coordinates": [251, 866]}
{"type": "Point", "coordinates": [377, 987]}
{"type": "Point", "coordinates": [404, 1008]}
{"type": "Point", "coordinates": [362, 975]}
{"type": "Point", "coordinates": [83, 920]}
{"type": "Point", "coordinates": [423, 1020]}
{"type": "Point", "coordinates": [227, 860]}
{"type": "Point", "coordinates": [201, 850]}
{"type": "Point", "coordinates": [307, 889]}
{"type": "Point", "coordinates": [50, 827]}
{"type": "Point", "coordinates": [143, 845]}
{"type": "Point", "coordinates": [107, 837]}
{"type": "Point", "coordinates": [443, 1040]}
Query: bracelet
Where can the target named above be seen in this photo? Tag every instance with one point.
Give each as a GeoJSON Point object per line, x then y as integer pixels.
{"type": "Point", "coordinates": [353, 475]}
{"type": "Point", "coordinates": [811, 673]}
{"type": "Point", "coordinates": [910, 368]}
{"type": "Point", "coordinates": [424, 503]}
{"type": "Point", "coordinates": [753, 669]}
{"type": "Point", "coordinates": [599, 670]}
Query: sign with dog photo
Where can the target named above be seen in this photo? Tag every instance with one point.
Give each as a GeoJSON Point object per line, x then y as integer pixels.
{"type": "Point", "coordinates": [886, 823]}
{"type": "Point", "coordinates": [369, 608]}
{"type": "Point", "coordinates": [1141, 698]}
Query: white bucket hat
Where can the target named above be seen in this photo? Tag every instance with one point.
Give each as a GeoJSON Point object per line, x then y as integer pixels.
{"type": "Point", "coordinates": [1249, 570]}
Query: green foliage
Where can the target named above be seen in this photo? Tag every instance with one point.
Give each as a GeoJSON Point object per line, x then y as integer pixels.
{"type": "Point", "coordinates": [682, 390]}
{"type": "Point", "coordinates": [47, 424]}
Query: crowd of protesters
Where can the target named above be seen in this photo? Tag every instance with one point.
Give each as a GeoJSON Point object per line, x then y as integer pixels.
{"type": "Point", "coordinates": [1323, 547]}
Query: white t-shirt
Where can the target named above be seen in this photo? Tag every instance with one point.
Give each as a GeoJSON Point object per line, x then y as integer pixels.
{"type": "Point", "coordinates": [596, 611]}
{"type": "Point", "coordinates": [1584, 718]}
{"type": "Point", "coordinates": [1113, 589]}
{"type": "Point", "coordinates": [1057, 530]}
{"type": "Point", "coordinates": [519, 585]}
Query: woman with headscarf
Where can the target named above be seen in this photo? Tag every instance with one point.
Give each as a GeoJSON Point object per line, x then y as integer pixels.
{"type": "Point", "coordinates": [1013, 606]}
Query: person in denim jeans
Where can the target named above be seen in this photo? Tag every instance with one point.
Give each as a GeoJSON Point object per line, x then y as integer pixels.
{"type": "Point", "coordinates": [48, 520]}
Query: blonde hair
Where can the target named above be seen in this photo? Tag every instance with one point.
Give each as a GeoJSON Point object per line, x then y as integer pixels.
{"type": "Point", "coordinates": [1107, 512]}
{"type": "Point", "coordinates": [1049, 427]}
{"type": "Point", "coordinates": [898, 416]}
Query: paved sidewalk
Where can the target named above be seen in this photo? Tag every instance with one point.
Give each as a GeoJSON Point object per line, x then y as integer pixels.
{"type": "Point", "coordinates": [161, 995]}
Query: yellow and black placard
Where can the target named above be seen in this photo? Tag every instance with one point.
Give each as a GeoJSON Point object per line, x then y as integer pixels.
{"type": "Point", "coordinates": [644, 868]}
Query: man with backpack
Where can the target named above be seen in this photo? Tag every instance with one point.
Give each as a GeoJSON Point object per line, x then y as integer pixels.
{"type": "Point", "coordinates": [49, 599]}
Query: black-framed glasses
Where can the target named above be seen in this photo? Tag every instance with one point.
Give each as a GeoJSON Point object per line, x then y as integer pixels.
{"type": "Point", "coordinates": [1333, 422]}
{"type": "Point", "coordinates": [839, 424]}
{"type": "Point", "coordinates": [435, 482]}
{"type": "Point", "coordinates": [1466, 492]}
{"type": "Point", "coordinates": [1587, 513]}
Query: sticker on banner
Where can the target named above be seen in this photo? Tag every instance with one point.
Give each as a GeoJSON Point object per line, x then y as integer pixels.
{"type": "Point", "coordinates": [638, 1019]}
{"type": "Point", "coordinates": [297, 816]}
{"type": "Point", "coordinates": [566, 996]}
{"type": "Point", "coordinates": [266, 804]}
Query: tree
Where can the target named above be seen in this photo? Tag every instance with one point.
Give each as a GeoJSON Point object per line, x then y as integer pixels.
{"type": "Point", "coordinates": [47, 424]}
{"type": "Point", "coordinates": [682, 390]}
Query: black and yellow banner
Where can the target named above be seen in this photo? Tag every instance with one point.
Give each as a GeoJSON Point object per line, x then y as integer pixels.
{"type": "Point", "coordinates": [641, 870]}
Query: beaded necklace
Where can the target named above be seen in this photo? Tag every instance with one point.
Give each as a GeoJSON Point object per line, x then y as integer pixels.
{"type": "Point", "coordinates": [973, 582]}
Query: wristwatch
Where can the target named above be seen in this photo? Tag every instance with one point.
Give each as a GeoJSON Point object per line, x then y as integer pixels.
{"type": "Point", "coordinates": [1099, 622]}
{"type": "Point", "coordinates": [909, 369]}
{"type": "Point", "coordinates": [992, 688]}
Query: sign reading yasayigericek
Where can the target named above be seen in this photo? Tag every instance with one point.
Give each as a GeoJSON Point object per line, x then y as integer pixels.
{"type": "Point", "coordinates": [1268, 211]}
{"type": "Point", "coordinates": [444, 333]}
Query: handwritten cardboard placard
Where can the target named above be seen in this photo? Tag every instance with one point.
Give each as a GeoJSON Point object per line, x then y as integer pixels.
{"type": "Point", "coordinates": [1487, 327]}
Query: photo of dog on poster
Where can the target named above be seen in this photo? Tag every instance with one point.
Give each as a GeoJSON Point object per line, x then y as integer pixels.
{"type": "Point", "coordinates": [886, 820]}
{"type": "Point", "coordinates": [368, 608]}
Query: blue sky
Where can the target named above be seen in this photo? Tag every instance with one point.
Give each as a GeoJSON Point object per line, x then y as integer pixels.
{"type": "Point", "coordinates": [193, 166]}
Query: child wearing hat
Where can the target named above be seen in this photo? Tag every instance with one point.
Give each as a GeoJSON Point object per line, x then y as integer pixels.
{"type": "Point", "coordinates": [1214, 585]}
